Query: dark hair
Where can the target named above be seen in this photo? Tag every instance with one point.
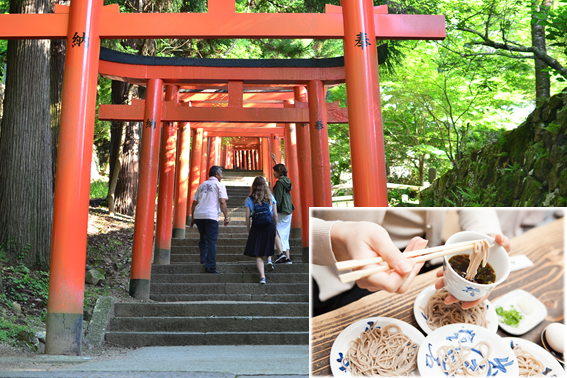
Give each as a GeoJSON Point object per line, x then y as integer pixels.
{"type": "Point", "coordinates": [260, 192]}
{"type": "Point", "coordinates": [214, 170]}
{"type": "Point", "coordinates": [281, 169]}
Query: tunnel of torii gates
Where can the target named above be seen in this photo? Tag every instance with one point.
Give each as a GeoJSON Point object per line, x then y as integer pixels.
{"type": "Point", "coordinates": [85, 22]}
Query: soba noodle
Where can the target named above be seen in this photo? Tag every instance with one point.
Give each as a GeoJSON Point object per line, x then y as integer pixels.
{"type": "Point", "coordinates": [387, 352]}
{"type": "Point", "coordinates": [479, 253]}
{"type": "Point", "coordinates": [439, 314]}
{"type": "Point", "coordinates": [529, 365]}
{"type": "Point", "coordinates": [452, 360]}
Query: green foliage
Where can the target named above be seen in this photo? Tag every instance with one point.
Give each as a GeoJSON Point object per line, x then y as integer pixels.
{"type": "Point", "coordinates": [23, 285]}
{"type": "Point", "coordinates": [9, 329]}
{"type": "Point", "coordinates": [4, 6]}
{"type": "Point", "coordinates": [99, 189]}
{"type": "Point", "coordinates": [556, 28]}
{"type": "Point", "coordinates": [395, 197]}
{"type": "Point", "coordinates": [553, 128]}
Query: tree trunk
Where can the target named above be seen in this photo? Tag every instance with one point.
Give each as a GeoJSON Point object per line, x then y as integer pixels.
{"type": "Point", "coordinates": [127, 186]}
{"type": "Point", "coordinates": [126, 139]}
{"type": "Point", "coordinates": [1, 102]}
{"type": "Point", "coordinates": [542, 81]}
{"type": "Point", "coordinates": [26, 181]}
{"type": "Point", "coordinates": [58, 47]}
{"type": "Point", "coordinates": [421, 169]}
{"type": "Point", "coordinates": [115, 174]}
{"type": "Point", "coordinates": [57, 65]}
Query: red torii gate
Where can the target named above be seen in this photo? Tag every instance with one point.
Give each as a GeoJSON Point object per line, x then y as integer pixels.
{"type": "Point", "coordinates": [86, 22]}
{"type": "Point", "coordinates": [269, 75]}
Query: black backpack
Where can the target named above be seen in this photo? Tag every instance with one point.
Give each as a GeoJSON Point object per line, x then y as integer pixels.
{"type": "Point", "coordinates": [261, 215]}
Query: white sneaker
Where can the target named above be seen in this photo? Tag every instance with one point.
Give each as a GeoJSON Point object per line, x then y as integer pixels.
{"type": "Point", "coordinates": [271, 265]}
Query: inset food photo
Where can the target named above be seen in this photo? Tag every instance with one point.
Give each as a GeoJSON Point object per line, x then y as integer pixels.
{"type": "Point", "coordinates": [437, 292]}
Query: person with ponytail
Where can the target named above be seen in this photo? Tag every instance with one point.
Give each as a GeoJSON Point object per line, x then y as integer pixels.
{"type": "Point", "coordinates": [261, 220]}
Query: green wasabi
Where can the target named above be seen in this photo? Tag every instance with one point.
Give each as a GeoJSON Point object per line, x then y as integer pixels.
{"type": "Point", "coordinates": [510, 317]}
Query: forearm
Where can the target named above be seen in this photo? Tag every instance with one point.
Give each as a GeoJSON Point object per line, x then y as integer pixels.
{"type": "Point", "coordinates": [224, 209]}
{"type": "Point", "coordinates": [193, 205]}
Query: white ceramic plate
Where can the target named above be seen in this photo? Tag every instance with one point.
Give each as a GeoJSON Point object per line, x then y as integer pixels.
{"type": "Point", "coordinates": [423, 298]}
{"type": "Point", "coordinates": [353, 331]}
{"type": "Point", "coordinates": [552, 367]}
{"type": "Point", "coordinates": [530, 321]}
{"type": "Point", "coordinates": [502, 360]}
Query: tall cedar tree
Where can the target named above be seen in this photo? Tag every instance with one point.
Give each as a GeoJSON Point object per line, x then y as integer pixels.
{"type": "Point", "coordinates": [26, 181]}
{"type": "Point", "coordinates": [58, 48]}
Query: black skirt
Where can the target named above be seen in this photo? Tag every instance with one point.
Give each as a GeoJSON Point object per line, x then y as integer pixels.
{"type": "Point", "coordinates": [261, 240]}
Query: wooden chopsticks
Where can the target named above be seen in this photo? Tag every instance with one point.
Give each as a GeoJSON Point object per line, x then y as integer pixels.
{"type": "Point", "coordinates": [424, 255]}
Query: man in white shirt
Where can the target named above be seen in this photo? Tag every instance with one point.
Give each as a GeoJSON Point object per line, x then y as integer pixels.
{"type": "Point", "coordinates": [208, 202]}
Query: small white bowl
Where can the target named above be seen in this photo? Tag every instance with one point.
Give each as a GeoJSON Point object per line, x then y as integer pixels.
{"type": "Point", "coordinates": [465, 290]}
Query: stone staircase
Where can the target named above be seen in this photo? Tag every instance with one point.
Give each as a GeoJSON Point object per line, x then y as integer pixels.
{"type": "Point", "coordinates": [192, 307]}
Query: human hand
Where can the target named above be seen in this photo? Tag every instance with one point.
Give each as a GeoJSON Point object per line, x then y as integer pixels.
{"type": "Point", "coordinates": [362, 240]}
{"type": "Point", "coordinates": [499, 239]}
{"type": "Point", "coordinates": [192, 223]}
{"type": "Point", "coordinates": [503, 241]}
{"type": "Point", "coordinates": [451, 299]}
{"type": "Point", "coordinates": [226, 220]}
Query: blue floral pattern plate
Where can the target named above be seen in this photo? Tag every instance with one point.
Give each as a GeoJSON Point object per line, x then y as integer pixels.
{"type": "Point", "coordinates": [353, 331]}
{"type": "Point", "coordinates": [423, 298]}
{"type": "Point", "coordinates": [502, 360]}
{"type": "Point", "coordinates": [552, 367]}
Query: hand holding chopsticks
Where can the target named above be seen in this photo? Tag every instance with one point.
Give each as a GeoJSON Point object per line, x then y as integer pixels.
{"type": "Point", "coordinates": [424, 255]}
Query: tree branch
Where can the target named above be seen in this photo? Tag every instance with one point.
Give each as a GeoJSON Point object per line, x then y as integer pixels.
{"type": "Point", "coordinates": [538, 53]}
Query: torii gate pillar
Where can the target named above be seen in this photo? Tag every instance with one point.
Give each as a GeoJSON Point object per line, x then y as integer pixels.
{"type": "Point", "coordinates": [181, 180]}
{"type": "Point", "coordinates": [195, 173]}
{"type": "Point", "coordinates": [162, 250]}
{"type": "Point", "coordinates": [319, 137]}
{"type": "Point", "coordinates": [146, 200]}
{"type": "Point", "coordinates": [290, 150]}
{"type": "Point", "coordinates": [305, 178]}
{"type": "Point", "coordinates": [204, 154]}
{"type": "Point", "coordinates": [363, 100]}
{"type": "Point", "coordinates": [70, 212]}
{"type": "Point", "coordinates": [276, 147]}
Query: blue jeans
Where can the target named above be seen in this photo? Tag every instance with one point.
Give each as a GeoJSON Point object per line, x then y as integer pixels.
{"type": "Point", "coordinates": [209, 233]}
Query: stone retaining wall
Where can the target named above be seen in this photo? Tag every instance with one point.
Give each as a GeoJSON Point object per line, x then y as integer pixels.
{"type": "Point", "coordinates": [526, 167]}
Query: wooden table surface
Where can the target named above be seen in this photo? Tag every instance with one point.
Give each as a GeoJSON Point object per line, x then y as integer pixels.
{"type": "Point", "coordinates": [543, 245]}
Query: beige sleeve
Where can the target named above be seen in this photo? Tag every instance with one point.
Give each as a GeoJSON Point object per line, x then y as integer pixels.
{"type": "Point", "coordinates": [321, 251]}
{"type": "Point", "coordinates": [327, 278]}
{"type": "Point", "coordinates": [480, 220]}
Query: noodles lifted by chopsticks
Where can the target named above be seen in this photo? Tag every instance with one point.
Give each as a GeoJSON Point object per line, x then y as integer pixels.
{"type": "Point", "coordinates": [529, 365]}
{"type": "Point", "coordinates": [386, 352]}
{"type": "Point", "coordinates": [453, 361]}
{"type": "Point", "coordinates": [479, 253]}
{"type": "Point", "coordinates": [439, 314]}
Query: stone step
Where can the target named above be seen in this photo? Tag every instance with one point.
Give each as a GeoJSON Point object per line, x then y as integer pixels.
{"type": "Point", "coordinates": [237, 248]}
{"type": "Point", "coordinates": [232, 258]}
{"type": "Point", "coordinates": [211, 309]}
{"type": "Point", "coordinates": [230, 229]}
{"type": "Point", "coordinates": [249, 267]}
{"type": "Point", "coordinates": [232, 297]}
{"type": "Point", "coordinates": [224, 235]}
{"type": "Point", "coordinates": [229, 288]}
{"type": "Point", "coordinates": [275, 277]}
{"type": "Point", "coordinates": [140, 339]}
{"type": "Point", "coordinates": [241, 172]}
{"type": "Point", "coordinates": [217, 323]}
{"type": "Point", "coordinates": [223, 242]}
